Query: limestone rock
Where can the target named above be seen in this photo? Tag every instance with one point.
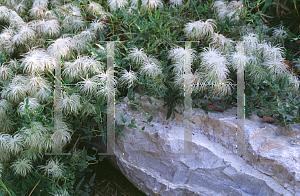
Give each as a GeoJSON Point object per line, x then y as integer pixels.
{"type": "Point", "coordinates": [150, 159]}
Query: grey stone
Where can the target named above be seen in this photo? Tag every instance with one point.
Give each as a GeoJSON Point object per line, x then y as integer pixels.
{"type": "Point", "coordinates": [150, 159]}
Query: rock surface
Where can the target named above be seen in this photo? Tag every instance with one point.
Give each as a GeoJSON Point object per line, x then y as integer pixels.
{"type": "Point", "coordinates": [150, 159]}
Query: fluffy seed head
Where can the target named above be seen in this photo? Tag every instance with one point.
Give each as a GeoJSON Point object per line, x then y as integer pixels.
{"type": "Point", "coordinates": [54, 168]}
{"type": "Point", "coordinates": [22, 167]}
{"type": "Point", "coordinates": [199, 29]}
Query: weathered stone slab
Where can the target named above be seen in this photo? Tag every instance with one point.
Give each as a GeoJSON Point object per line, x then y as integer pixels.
{"type": "Point", "coordinates": [150, 160]}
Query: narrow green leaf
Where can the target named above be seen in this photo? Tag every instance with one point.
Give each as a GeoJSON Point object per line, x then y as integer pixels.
{"type": "Point", "coordinates": [150, 119]}
{"type": "Point", "coordinates": [157, 13]}
{"type": "Point", "coordinates": [123, 119]}
{"type": "Point", "coordinates": [91, 182]}
{"type": "Point", "coordinates": [101, 36]}
{"type": "Point", "coordinates": [130, 95]}
{"type": "Point", "coordinates": [252, 89]}
{"type": "Point", "coordinates": [165, 70]}
{"type": "Point", "coordinates": [55, 13]}
{"type": "Point", "coordinates": [150, 101]}
{"type": "Point", "coordinates": [78, 185]}
{"type": "Point", "coordinates": [139, 4]}
{"type": "Point", "coordinates": [27, 103]}
{"type": "Point", "coordinates": [284, 82]}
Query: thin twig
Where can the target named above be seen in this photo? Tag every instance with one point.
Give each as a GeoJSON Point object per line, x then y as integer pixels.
{"type": "Point", "coordinates": [103, 20]}
{"type": "Point", "coordinates": [76, 143]}
{"type": "Point", "coordinates": [296, 54]}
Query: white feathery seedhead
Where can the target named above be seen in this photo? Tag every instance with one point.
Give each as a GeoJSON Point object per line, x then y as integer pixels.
{"type": "Point", "coordinates": [48, 27]}
{"type": "Point", "coordinates": [37, 60]}
{"type": "Point", "coordinates": [154, 4]}
{"type": "Point", "coordinates": [95, 9]}
{"type": "Point", "coordinates": [12, 63]}
{"type": "Point", "coordinates": [239, 58]}
{"type": "Point", "coordinates": [219, 4]}
{"type": "Point", "coordinates": [82, 62]}
{"type": "Point", "coordinates": [293, 79]}
{"type": "Point", "coordinates": [4, 139]}
{"type": "Point", "coordinates": [71, 104]}
{"type": "Point", "coordinates": [15, 20]}
{"type": "Point", "coordinates": [221, 8]}
{"type": "Point", "coordinates": [276, 67]}
{"type": "Point", "coordinates": [32, 102]}
{"type": "Point", "coordinates": [216, 68]}
{"type": "Point", "coordinates": [87, 108]}
{"type": "Point", "coordinates": [83, 37]}
{"type": "Point", "coordinates": [297, 64]}
{"type": "Point", "coordinates": [106, 79]}
{"type": "Point", "coordinates": [151, 67]}
{"type": "Point", "coordinates": [137, 55]}
{"type": "Point", "coordinates": [114, 4]}
{"type": "Point", "coordinates": [176, 3]}
{"type": "Point", "coordinates": [4, 13]}
{"type": "Point", "coordinates": [34, 136]}
{"type": "Point", "coordinates": [55, 3]}
{"type": "Point", "coordinates": [73, 70]}
{"type": "Point", "coordinates": [279, 33]}
{"type": "Point", "coordinates": [54, 168]}
{"type": "Point", "coordinates": [35, 83]}
{"type": "Point", "coordinates": [128, 78]}
{"type": "Point", "coordinates": [199, 29]}
{"type": "Point", "coordinates": [37, 12]}
{"type": "Point", "coordinates": [33, 153]}
{"type": "Point", "coordinates": [251, 41]}
{"type": "Point", "coordinates": [42, 95]}
{"type": "Point", "coordinates": [41, 3]}
{"type": "Point", "coordinates": [6, 40]}
{"type": "Point", "coordinates": [22, 167]}
{"type": "Point", "coordinates": [49, 15]}
{"type": "Point", "coordinates": [14, 92]}
{"type": "Point", "coordinates": [24, 34]}
{"type": "Point", "coordinates": [19, 80]}
{"type": "Point", "coordinates": [73, 20]}
{"type": "Point", "coordinates": [60, 192]}
{"type": "Point", "coordinates": [97, 26]}
{"type": "Point", "coordinates": [5, 73]}
{"type": "Point", "coordinates": [61, 46]}
{"type": "Point", "coordinates": [61, 136]}
{"type": "Point", "coordinates": [48, 142]}
{"type": "Point", "coordinates": [15, 143]}
{"type": "Point", "coordinates": [235, 4]}
{"type": "Point", "coordinates": [18, 39]}
{"type": "Point", "coordinates": [6, 123]}
{"type": "Point", "coordinates": [177, 54]}
{"type": "Point", "coordinates": [93, 66]}
{"type": "Point", "coordinates": [271, 52]}
{"type": "Point", "coordinates": [179, 80]}
{"type": "Point", "coordinates": [4, 107]}
{"type": "Point", "coordinates": [218, 39]}
{"type": "Point", "coordinates": [88, 86]}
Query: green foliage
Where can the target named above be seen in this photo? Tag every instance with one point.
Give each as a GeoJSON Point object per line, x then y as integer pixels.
{"type": "Point", "coordinates": [155, 31]}
{"type": "Point", "coordinates": [275, 98]}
